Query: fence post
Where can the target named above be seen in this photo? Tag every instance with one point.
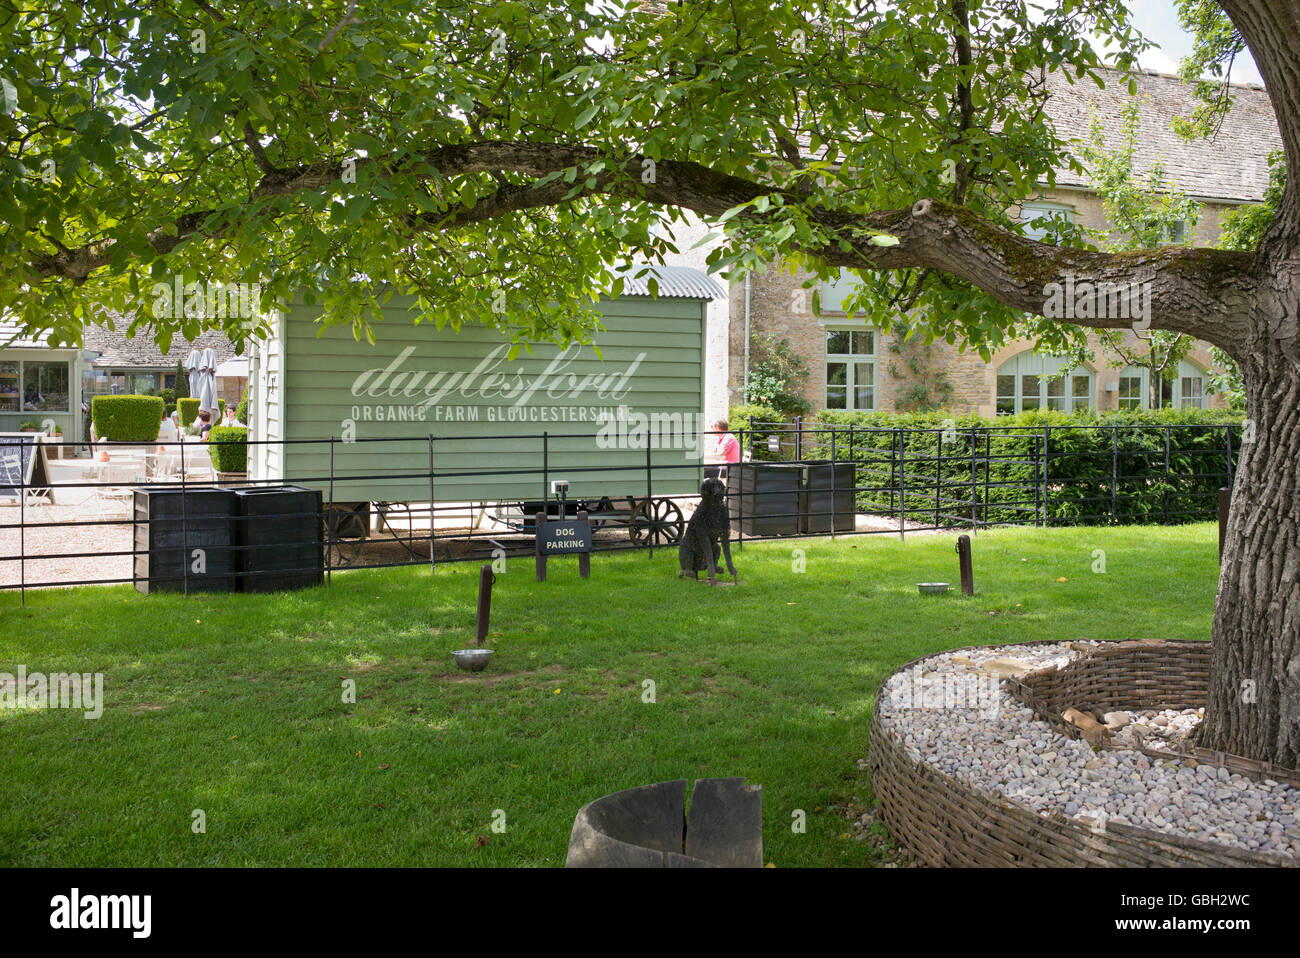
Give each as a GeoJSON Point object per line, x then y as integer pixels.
{"type": "Point", "coordinates": [649, 507]}
{"type": "Point", "coordinates": [988, 465]}
{"type": "Point", "coordinates": [740, 493]}
{"type": "Point", "coordinates": [1114, 469]}
{"type": "Point", "coordinates": [798, 438]}
{"type": "Point", "coordinates": [1038, 500]}
{"type": "Point", "coordinates": [1047, 438]}
{"type": "Point", "coordinates": [854, 462]}
{"type": "Point", "coordinates": [185, 531]}
{"type": "Point", "coordinates": [902, 486]}
{"type": "Point", "coordinates": [974, 478]}
{"type": "Point", "coordinates": [539, 560]}
{"type": "Point", "coordinates": [832, 480]}
{"type": "Point", "coordinates": [1168, 429]}
{"type": "Point", "coordinates": [331, 517]}
{"type": "Point", "coordinates": [938, 478]}
{"type": "Point", "coordinates": [432, 543]}
{"type": "Point", "coordinates": [22, 531]}
{"type": "Point", "coordinates": [1227, 432]}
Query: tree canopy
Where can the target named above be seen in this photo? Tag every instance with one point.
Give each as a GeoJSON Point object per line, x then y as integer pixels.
{"type": "Point", "coordinates": [484, 154]}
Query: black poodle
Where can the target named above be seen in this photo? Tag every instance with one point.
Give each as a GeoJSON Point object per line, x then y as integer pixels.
{"type": "Point", "coordinates": [709, 527]}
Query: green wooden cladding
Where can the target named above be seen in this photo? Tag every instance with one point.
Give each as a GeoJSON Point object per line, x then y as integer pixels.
{"type": "Point", "coordinates": [487, 413]}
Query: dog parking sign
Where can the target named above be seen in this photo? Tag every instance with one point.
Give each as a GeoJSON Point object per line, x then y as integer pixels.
{"type": "Point", "coordinates": [564, 537]}
{"type": "Point", "coordinates": [573, 536]}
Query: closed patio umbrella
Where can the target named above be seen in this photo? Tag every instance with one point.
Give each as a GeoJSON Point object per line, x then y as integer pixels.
{"type": "Point", "coordinates": [206, 393]}
{"type": "Point", "coordinates": [192, 368]}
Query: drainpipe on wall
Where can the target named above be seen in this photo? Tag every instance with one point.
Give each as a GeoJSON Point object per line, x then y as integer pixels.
{"type": "Point", "coordinates": [744, 385]}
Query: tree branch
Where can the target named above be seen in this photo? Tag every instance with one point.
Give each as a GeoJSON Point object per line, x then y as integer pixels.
{"type": "Point", "coordinates": [1203, 292]}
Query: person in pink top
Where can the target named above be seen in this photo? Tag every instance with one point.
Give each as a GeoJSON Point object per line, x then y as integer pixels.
{"type": "Point", "coordinates": [726, 450]}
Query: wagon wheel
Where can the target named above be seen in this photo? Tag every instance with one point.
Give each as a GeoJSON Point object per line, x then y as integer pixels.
{"type": "Point", "coordinates": [347, 551]}
{"type": "Point", "coordinates": [658, 522]}
{"type": "Point", "coordinates": [597, 523]}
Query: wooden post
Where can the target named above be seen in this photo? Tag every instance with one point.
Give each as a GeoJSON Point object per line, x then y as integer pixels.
{"type": "Point", "coordinates": [964, 563]}
{"type": "Point", "coordinates": [584, 558]}
{"type": "Point", "coordinates": [485, 580]}
{"type": "Point", "coordinates": [540, 518]}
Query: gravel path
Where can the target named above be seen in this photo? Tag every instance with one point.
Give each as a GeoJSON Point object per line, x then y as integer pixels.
{"type": "Point", "coordinates": [41, 538]}
{"type": "Point", "coordinates": [951, 712]}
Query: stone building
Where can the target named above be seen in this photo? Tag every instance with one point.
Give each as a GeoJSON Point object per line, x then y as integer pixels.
{"type": "Point", "coordinates": [854, 366]}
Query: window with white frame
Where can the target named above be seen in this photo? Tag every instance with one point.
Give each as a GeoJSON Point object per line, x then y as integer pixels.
{"type": "Point", "coordinates": [1132, 389]}
{"type": "Point", "coordinates": [1186, 390]}
{"type": "Point", "coordinates": [1029, 381]}
{"type": "Point", "coordinates": [1191, 387]}
{"type": "Point", "coordinates": [850, 368]}
{"type": "Point", "coordinates": [1041, 209]}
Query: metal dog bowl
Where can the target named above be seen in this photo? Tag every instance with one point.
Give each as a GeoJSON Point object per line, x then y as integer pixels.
{"type": "Point", "coordinates": [472, 660]}
{"type": "Point", "coordinates": [932, 588]}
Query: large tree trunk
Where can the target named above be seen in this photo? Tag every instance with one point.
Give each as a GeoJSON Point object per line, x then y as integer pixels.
{"type": "Point", "coordinates": [1254, 702]}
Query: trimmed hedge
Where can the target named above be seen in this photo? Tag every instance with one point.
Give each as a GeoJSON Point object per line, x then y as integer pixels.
{"type": "Point", "coordinates": [229, 449]}
{"type": "Point", "coordinates": [126, 418]}
{"type": "Point", "coordinates": [1124, 467]}
{"type": "Point", "coordinates": [189, 410]}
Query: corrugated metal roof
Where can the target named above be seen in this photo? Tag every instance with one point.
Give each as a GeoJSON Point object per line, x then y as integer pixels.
{"type": "Point", "coordinates": [676, 282]}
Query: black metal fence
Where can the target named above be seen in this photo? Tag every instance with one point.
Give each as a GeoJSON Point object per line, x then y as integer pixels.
{"type": "Point", "coordinates": [147, 515]}
{"type": "Point", "coordinates": [979, 476]}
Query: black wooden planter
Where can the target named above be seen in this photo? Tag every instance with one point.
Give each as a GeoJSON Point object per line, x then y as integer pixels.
{"type": "Point", "coordinates": [184, 539]}
{"type": "Point", "coordinates": [818, 493]}
{"type": "Point", "coordinates": [278, 535]}
{"type": "Point", "coordinates": [764, 497]}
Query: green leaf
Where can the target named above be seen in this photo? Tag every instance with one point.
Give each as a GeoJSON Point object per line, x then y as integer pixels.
{"type": "Point", "coordinates": [257, 103]}
{"type": "Point", "coordinates": [8, 96]}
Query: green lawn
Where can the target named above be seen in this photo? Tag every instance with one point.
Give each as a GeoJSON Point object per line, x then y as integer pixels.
{"type": "Point", "coordinates": [232, 704]}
